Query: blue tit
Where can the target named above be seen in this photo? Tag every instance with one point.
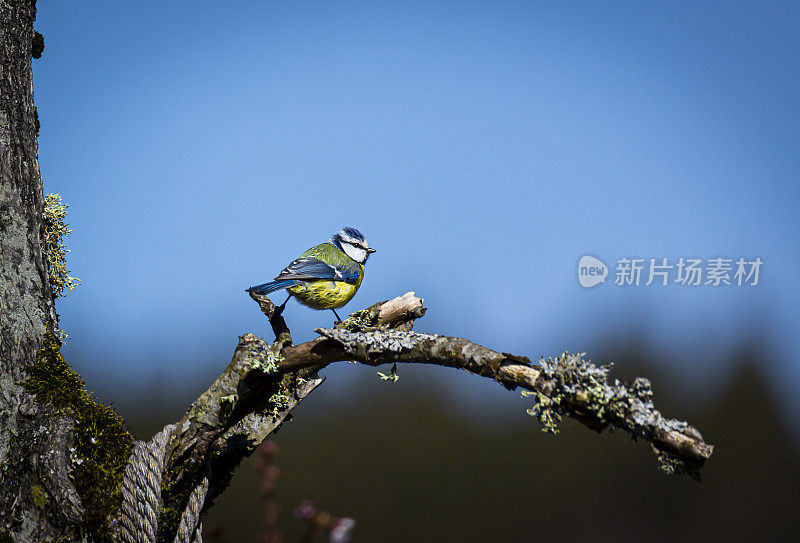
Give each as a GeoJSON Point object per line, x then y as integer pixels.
{"type": "Point", "coordinates": [326, 276]}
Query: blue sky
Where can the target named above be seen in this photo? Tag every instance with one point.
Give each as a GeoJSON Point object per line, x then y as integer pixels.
{"type": "Point", "coordinates": [482, 147]}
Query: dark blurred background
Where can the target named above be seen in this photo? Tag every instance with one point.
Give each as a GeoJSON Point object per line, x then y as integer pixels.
{"type": "Point", "coordinates": [415, 461]}
{"type": "Point", "coordinates": [483, 148]}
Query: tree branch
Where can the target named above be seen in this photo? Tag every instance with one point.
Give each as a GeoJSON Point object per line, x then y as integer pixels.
{"type": "Point", "coordinates": [264, 382]}
{"type": "Point", "coordinates": [566, 385]}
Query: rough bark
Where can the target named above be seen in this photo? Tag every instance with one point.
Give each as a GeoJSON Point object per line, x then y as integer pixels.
{"type": "Point", "coordinates": [37, 498]}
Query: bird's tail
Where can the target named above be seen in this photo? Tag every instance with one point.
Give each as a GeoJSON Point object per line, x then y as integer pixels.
{"type": "Point", "coordinates": [272, 286]}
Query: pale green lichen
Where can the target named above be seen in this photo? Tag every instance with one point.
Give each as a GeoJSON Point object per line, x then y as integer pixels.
{"type": "Point", "coordinates": [375, 341]}
{"type": "Point", "coordinates": [670, 465]}
{"type": "Point", "coordinates": [268, 362]}
{"type": "Point", "coordinates": [567, 376]}
{"type": "Point", "coordinates": [545, 410]}
{"type": "Point", "coordinates": [667, 464]}
{"type": "Point", "coordinates": [53, 248]}
{"type": "Point", "coordinates": [279, 402]}
{"type": "Point", "coordinates": [572, 385]}
{"type": "Point", "coordinates": [361, 320]}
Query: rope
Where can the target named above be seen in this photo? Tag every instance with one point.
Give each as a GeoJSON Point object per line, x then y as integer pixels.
{"type": "Point", "coordinates": [141, 489]}
{"type": "Point", "coordinates": [141, 495]}
{"type": "Point", "coordinates": [190, 529]}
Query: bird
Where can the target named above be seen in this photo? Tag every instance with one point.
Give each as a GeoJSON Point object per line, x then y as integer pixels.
{"type": "Point", "coordinates": [326, 276]}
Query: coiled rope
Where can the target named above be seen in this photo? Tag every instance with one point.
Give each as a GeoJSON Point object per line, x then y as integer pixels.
{"type": "Point", "coordinates": [141, 495]}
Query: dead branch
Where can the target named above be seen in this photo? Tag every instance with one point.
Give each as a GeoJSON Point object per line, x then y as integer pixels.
{"type": "Point", "coordinates": [264, 381]}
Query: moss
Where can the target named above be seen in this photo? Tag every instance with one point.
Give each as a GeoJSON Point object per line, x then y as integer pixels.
{"type": "Point", "coordinates": [179, 484]}
{"type": "Point", "coordinates": [169, 519]}
{"type": "Point", "coordinates": [39, 498]}
{"type": "Point", "coordinates": [37, 47]}
{"type": "Point", "coordinates": [102, 444]}
{"type": "Point", "coordinates": [55, 252]}
{"type": "Point", "coordinates": [36, 124]}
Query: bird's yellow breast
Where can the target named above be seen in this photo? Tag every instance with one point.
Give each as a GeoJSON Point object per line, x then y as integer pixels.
{"type": "Point", "coordinates": [325, 294]}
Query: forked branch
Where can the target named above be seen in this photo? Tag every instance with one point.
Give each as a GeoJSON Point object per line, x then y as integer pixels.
{"type": "Point", "coordinates": [264, 381]}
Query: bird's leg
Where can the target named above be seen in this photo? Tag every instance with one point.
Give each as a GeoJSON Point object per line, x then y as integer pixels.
{"type": "Point", "coordinates": [338, 318]}
{"type": "Point", "coordinates": [280, 308]}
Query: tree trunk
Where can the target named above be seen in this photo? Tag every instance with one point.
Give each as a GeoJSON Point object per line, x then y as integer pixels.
{"type": "Point", "coordinates": [38, 501]}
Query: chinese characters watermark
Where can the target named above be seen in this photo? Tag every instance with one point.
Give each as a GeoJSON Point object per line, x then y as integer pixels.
{"type": "Point", "coordinates": [714, 272]}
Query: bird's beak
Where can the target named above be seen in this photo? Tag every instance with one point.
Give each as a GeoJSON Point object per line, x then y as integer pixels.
{"type": "Point", "coordinates": [370, 250]}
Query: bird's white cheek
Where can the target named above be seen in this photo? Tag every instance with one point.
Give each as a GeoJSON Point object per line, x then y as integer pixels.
{"type": "Point", "coordinates": [356, 253]}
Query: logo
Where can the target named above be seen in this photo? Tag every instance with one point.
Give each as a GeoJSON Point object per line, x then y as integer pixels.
{"type": "Point", "coordinates": [591, 271]}
{"type": "Point", "coordinates": [685, 271]}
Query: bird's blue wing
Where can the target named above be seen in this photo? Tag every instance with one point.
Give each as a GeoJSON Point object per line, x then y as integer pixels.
{"type": "Point", "coordinates": [313, 269]}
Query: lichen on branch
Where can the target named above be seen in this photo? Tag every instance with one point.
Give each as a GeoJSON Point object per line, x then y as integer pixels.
{"type": "Point", "coordinates": [53, 247]}
{"type": "Point", "coordinates": [572, 385]}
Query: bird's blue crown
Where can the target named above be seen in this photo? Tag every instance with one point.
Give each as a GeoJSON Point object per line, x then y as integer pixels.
{"type": "Point", "coordinates": [348, 233]}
